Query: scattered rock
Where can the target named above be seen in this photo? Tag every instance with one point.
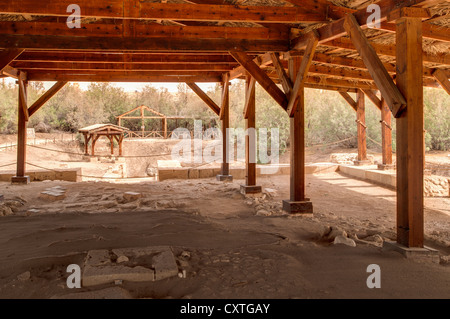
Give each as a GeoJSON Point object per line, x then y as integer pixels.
{"type": "Point", "coordinates": [344, 240]}
{"type": "Point", "coordinates": [131, 196]}
{"type": "Point", "coordinates": [24, 276]}
{"type": "Point", "coordinates": [52, 195]}
{"type": "Point", "coordinates": [185, 255]}
{"type": "Point", "coordinates": [262, 212]}
{"type": "Point", "coordinates": [5, 210]}
{"type": "Point", "coordinates": [270, 192]}
{"type": "Point", "coordinates": [32, 211]}
{"type": "Point", "coordinates": [122, 259]}
{"type": "Point", "coordinates": [336, 231]}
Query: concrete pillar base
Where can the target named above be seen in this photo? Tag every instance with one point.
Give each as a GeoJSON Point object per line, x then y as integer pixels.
{"type": "Point", "coordinates": [386, 167]}
{"type": "Point", "coordinates": [302, 207]}
{"type": "Point", "coordinates": [20, 180]}
{"type": "Point", "coordinates": [415, 253]}
{"type": "Point", "coordinates": [250, 189]}
{"type": "Point", "coordinates": [224, 178]}
{"type": "Point", "coordinates": [362, 163]}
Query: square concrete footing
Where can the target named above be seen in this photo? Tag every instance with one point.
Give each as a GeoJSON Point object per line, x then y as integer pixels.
{"type": "Point", "coordinates": [301, 207]}
{"type": "Point", "coordinates": [224, 178]}
{"type": "Point", "coordinates": [20, 180]}
{"type": "Point", "coordinates": [414, 253]}
{"type": "Point", "coordinates": [250, 189]}
{"type": "Point", "coordinates": [362, 163]}
{"type": "Point", "coordinates": [386, 167]}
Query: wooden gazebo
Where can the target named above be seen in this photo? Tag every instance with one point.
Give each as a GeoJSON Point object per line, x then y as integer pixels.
{"type": "Point", "coordinates": [388, 52]}
{"type": "Point", "coordinates": [94, 132]}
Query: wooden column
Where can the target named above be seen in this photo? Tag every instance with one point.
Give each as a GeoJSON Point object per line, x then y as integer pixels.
{"type": "Point", "coordinates": [386, 136]}
{"type": "Point", "coordinates": [410, 136]}
{"type": "Point", "coordinates": [297, 202]}
{"type": "Point", "coordinates": [225, 121]}
{"type": "Point", "coordinates": [165, 127]}
{"type": "Point", "coordinates": [111, 141]}
{"type": "Point", "coordinates": [22, 111]}
{"type": "Point", "coordinates": [361, 128]}
{"type": "Point", "coordinates": [120, 144]}
{"type": "Point", "coordinates": [250, 186]}
{"type": "Point", "coordinates": [94, 139]}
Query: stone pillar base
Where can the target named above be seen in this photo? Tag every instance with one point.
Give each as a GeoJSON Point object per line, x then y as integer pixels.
{"type": "Point", "coordinates": [386, 167]}
{"type": "Point", "coordinates": [362, 163]}
{"type": "Point", "coordinates": [301, 207]}
{"type": "Point", "coordinates": [250, 189]}
{"type": "Point", "coordinates": [20, 180]}
{"type": "Point", "coordinates": [224, 178]}
{"type": "Point", "coordinates": [415, 253]}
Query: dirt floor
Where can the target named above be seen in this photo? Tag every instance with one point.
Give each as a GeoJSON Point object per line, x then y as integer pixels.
{"type": "Point", "coordinates": [237, 247]}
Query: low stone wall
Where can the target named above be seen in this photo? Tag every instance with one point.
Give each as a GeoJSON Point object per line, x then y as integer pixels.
{"type": "Point", "coordinates": [165, 173]}
{"type": "Point", "coordinates": [70, 175]}
{"type": "Point", "coordinates": [434, 186]}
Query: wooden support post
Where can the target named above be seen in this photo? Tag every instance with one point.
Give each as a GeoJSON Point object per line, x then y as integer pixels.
{"type": "Point", "coordinates": [386, 136]}
{"type": "Point", "coordinates": [20, 177]}
{"type": "Point", "coordinates": [120, 145]}
{"type": "Point", "coordinates": [225, 121]}
{"type": "Point", "coordinates": [86, 142]}
{"type": "Point", "coordinates": [410, 135]}
{"type": "Point", "coordinates": [361, 124]}
{"type": "Point", "coordinates": [298, 203]}
{"type": "Point", "coordinates": [250, 186]}
{"type": "Point", "coordinates": [94, 140]}
{"type": "Point", "coordinates": [111, 141]}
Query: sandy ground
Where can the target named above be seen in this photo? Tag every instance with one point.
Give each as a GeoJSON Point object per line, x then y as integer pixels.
{"type": "Point", "coordinates": [234, 252]}
{"type": "Point", "coordinates": [239, 247]}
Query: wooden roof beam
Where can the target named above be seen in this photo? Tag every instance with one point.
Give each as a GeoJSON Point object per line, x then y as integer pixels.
{"type": "Point", "coordinates": [372, 95]}
{"type": "Point", "coordinates": [116, 29]}
{"type": "Point", "coordinates": [7, 56]}
{"type": "Point", "coordinates": [165, 11]}
{"type": "Point", "coordinates": [123, 77]}
{"type": "Point", "coordinates": [286, 82]}
{"type": "Point", "coordinates": [261, 77]}
{"type": "Point", "coordinates": [443, 78]}
{"type": "Point", "coordinates": [336, 29]}
{"type": "Point", "coordinates": [45, 97]}
{"type": "Point", "coordinates": [121, 66]}
{"type": "Point", "coordinates": [42, 42]}
{"type": "Point", "coordinates": [349, 100]}
{"type": "Point", "coordinates": [394, 98]}
{"type": "Point", "coordinates": [205, 98]}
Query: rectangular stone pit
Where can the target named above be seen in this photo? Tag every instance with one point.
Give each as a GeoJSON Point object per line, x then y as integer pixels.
{"type": "Point", "coordinates": [144, 264]}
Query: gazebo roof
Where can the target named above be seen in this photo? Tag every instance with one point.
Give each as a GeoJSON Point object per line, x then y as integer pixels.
{"type": "Point", "coordinates": [96, 128]}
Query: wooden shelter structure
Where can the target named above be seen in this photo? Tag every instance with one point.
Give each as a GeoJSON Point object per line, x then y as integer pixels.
{"type": "Point", "coordinates": [387, 52]}
{"type": "Point", "coordinates": [143, 117]}
{"type": "Point", "coordinates": [110, 131]}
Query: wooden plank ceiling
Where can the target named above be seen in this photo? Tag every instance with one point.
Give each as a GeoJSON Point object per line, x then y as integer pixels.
{"type": "Point", "coordinates": [204, 40]}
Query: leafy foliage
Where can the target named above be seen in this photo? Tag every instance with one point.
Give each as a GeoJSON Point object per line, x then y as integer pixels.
{"type": "Point", "coordinates": [328, 117]}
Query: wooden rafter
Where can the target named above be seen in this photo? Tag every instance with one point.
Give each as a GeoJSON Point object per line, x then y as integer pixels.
{"type": "Point", "coordinates": [384, 82]}
{"type": "Point", "coordinates": [261, 77]}
{"type": "Point", "coordinates": [121, 66]}
{"type": "Point", "coordinates": [336, 29]}
{"type": "Point", "coordinates": [117, 29]}
{"type": "Point", "coordinates": [349, 99]}
{"type": "Point", "coordinates": [47, 96]}
{"type": "Point", "coordinates": [371, 94]}
{"type": "Point", "coordinates": [284, 78]}
{"type": "Point", "coordinates": [302, 73]}
{"type": "Point", "coordinates": [202, 95]}
{"type": "Point", "coordinates": [7, 56]}
{"type": "Point", "coordinates": [167, 11]}
{"type": "Point", "coordinates": [443, 78]}
{"type": "Point", "coordinates": [144, 44]}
